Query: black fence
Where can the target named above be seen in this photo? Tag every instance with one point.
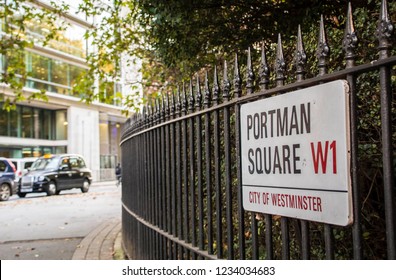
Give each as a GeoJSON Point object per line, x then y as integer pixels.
{"type": "Point", "coordinates": [182, 193]}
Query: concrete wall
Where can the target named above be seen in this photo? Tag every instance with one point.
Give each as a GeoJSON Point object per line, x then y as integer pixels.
{"type": "Point", "coordinates": [83, 137]}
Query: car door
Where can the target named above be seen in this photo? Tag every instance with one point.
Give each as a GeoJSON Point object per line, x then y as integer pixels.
{"type": "Point", "coordinates": [65, 174]}
{"type": "Point", "coordinates": [77, 175]}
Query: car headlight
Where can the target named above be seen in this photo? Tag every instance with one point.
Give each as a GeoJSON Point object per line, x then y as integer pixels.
{"type": "Point", "coordinates": [40, 178]}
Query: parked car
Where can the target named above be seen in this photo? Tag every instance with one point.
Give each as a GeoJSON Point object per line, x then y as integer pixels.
{"type": "Point", "coordinates": [22, 166]}
{"type": "Point", "coordinates": [8, 187]}
{"type": "Point", "coordinates": [54, 173]}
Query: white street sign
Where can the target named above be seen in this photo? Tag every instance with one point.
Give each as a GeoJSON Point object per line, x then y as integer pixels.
{"type": "Point", "coordinates": [295, 154]}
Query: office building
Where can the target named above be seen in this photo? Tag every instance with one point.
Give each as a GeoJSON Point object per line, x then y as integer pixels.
{"type": "Point", "coordinates": [63, 124]}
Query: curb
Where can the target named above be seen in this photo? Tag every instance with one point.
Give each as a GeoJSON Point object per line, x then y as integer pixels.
{"type": "Point", "coordinates": [99, 243]}
{"type": "Point", "coordinates": [119, 253]}
{"type": "Point", "coordinates": [104, 183]}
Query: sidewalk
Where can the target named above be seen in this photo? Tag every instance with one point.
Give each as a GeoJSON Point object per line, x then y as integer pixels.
{"type": "Point", "coordinates": [104, 183]}
{"type": "Point", "coordinates": [103, 243]}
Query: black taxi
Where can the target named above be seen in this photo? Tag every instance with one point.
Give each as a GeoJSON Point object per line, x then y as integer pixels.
{"type": "Point", "coordinates": [54, 173]}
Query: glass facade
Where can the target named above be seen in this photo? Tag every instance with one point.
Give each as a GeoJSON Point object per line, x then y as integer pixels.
{"type": "Point", "coordinates": [56, 75]}
{"type": "Point", "coordinates": [35, 123]}
{"type": "Point", "coordinates": [30, 131]}
{"type": "Point", "coordinates": [21, 152]}
{"type": "Point", "coordinates": [51, 75]}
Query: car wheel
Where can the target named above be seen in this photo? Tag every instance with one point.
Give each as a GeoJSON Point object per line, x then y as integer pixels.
{"type": "Point", "coordinates": [5, 192]}
{"type": "Point", "coordinates": [51, 189]}
{"type": "Point", "coordinates": [21, 194]}
{"type": "Point", "coordinates": [85, 186]}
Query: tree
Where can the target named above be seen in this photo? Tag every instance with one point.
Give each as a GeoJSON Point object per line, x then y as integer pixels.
{"type": "Point", "coordinates": [173, 39]}
{"type": "Point", "coordinates": [17, 19]}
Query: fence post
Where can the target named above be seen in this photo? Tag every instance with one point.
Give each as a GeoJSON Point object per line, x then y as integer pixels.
{"type": "Point", "coordinates": [385, 30]}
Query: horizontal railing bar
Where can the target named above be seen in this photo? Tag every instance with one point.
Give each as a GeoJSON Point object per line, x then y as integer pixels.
{"type": "Point", "coordinates": [368, 67]}
{"type": "Point", "coordinates": [169, 236]}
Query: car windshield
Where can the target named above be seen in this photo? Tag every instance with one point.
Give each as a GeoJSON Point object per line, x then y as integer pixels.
{"type": "Point", "coordinates": [45, 163]}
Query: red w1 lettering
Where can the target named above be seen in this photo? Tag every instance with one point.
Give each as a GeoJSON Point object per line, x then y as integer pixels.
{"type": "Point", "coordinates": [320, 155]}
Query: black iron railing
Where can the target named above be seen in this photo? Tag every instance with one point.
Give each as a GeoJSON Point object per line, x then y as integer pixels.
{"type": "Point", "coordinates": [182, 193]}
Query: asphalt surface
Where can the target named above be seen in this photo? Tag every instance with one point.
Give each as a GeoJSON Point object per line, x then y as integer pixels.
{"type": "Point", "coordinates": [54, 228]}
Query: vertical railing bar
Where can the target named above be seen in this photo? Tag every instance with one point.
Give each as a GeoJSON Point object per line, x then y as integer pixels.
{"type": "Point", "coordinates": [200, 187]}
{"type": "Point", "coordinates": [138, 185]}
{"type": "Point", "coordinates": [177, 248]}
{"type": "Point", "coordinates": [150, 193]}
{"type": "Point", "coordinates": [384, 32]}
{"type": "Point", "coordinates": [158, 178]}
{"type": "Point", "coordinates": [217, 171]}
{"type": "Point", "coordinates": [151, 173]}
{"type": "Point", "coordinates": [198, 127]}
{"type": "Point", "coordinates": [185, 170]}
{"type": "Point", "coordinates": [323, 52]}
{"type": "Point", "coordinates": [157, 245]}
{"type": "Point", "coordinates": [241, 216]}
{"type": "Point", "coordinates": [302, 225]}
{"type": "Point", "coordinates": [280, 68]}
{"type": "Point", "coordinates": [227, 163]}
{"type": "Point", "coordinates": [149, 244]}
{"type": "Point", "coordinates": [264, 75]}
{"type": "Point", "coordinates": [192, 216]}
{"type": "Point", "coordinates": [208, 168]}
{"type": "Point", "coordinates": [349, 44]}
{"type": "Point", "coordinates": [146, 175]}
{"type": "Point", "coordinates": [141, 175]}
{"type": "Point", "coordinates": [145, 178]}
{"type": "Point", "coordinates": [268, 236]}
{"type": "Point", "coordinates": [144, 228]}
{"type": "Point", "coordinates": [163, 248]}
{"type": "Point", "coordinates": [148, 186]}
{"type": "Point", "coordinates": [163, 169]}
{"type": "Point", "coordinates": [179, 167]}
{"type": "Point", "coordinates": [155, 168]}
{"type": "Point", "coordinates": [250, 77]}
{"type": "Point", "coordinates": [168, 176]}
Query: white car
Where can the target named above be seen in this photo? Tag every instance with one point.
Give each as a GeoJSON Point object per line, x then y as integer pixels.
{"type": "Point", "coordinates": [22, 166]}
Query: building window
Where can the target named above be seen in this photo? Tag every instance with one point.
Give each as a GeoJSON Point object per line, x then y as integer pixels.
{"type": "Point", "coordinates": [36, 123]}
{"type": "Point", "coordinates": [27, 122]}
{"type": "Point", "coordinates": [51, 75]}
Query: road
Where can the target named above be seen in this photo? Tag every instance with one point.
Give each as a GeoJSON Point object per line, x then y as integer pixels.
{"type": "Point", "coordinates": [51, 227]}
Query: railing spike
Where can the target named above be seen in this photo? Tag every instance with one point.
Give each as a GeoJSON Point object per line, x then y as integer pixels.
{"type": "Point", "coordinates": [323, 50]}
{"type": "Point", "coordinates": [216, 88]}
{"type": "Point", "coordinates": [207, 97]}
{"type": "Point", "coordinates": [237, 79]}
{"type": "Point", "coordinates": [157, 111]}
{"type": "Point", "coordinates": [184, 100]}
{"type": "Point", "coordinates": [264, 70]}
{"type": "Point", "coordinates": [191, 98]}
{"type": "Point", "coordinates": [226, 83]}
{"type": "Point", "coordinates": [250, 74]}
{"type": "Point", "coordinates": [384, 31]}
{"type": "Point", "coordinates": [177, 100]}
{"type": "Point", "coordinates": [173, 105]}
{"type": "Point", "coordinates": [167, 107]}
{"type": "Point", "coordinates": [144, 117]}
{"type": "Point", "coordinates": [198, 98]}
{"type": "Point", "coordinates": [163, 109]}
{"type": "Point", "coordinates": [149, 113]}
{"type": "Point", "coordinates": [152, 112]}
{"type": "Point", "coordinates": [301, 57]}
{"type": "Point", "coordinates": [280, 65]}
{"type": "Point", "coordinates": [350, 40]}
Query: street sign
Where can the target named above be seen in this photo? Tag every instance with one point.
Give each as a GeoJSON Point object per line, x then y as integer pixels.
{"type": "Point", "coordinates": [295, 154]}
